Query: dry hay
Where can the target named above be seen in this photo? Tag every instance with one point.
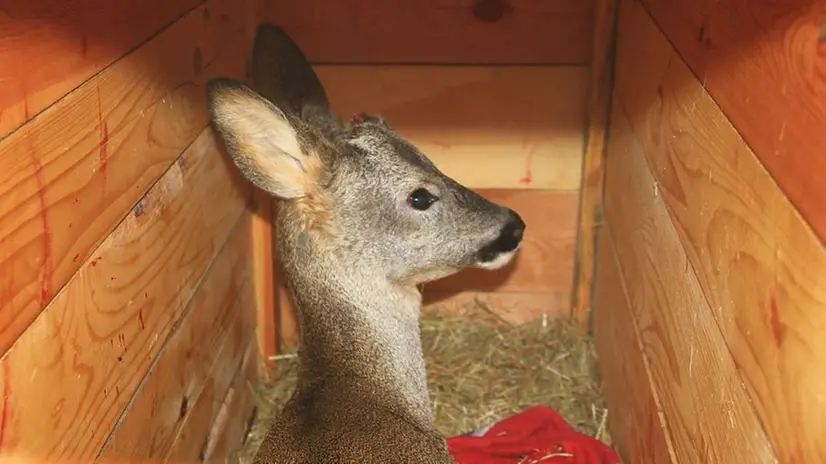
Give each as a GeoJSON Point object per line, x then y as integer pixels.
{"type": "Point", "coordinates": [481, 370]}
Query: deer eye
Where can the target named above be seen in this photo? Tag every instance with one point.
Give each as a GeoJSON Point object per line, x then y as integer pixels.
{"type": "Point", "coordinates": [420, 199]}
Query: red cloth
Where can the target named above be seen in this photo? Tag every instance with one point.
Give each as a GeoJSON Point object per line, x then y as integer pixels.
{"type": "Point", "coordinates": [535, 436]}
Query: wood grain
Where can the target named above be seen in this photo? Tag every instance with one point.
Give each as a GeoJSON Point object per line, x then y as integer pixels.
{"type": "Point", "coordinates": [635, 415]}
{"type": "Point", "coordinates": [758, 264]}
{"type": "Point", "coordinates": [100, 335]}
{"type": "Point", "coordinates": [593, 172]}
{"type": "Point", "coordinates": [217, 312]}
{"type": "Point", "coordinates": [204, 423]}
{"type": "Point", "coordinates": [764, 63]}
{"type": "Point", "coordinates": [487, 127]}
{"type": "Point", "coordinates": [440, 31]}
{"type": "Point", "coordinates": [707, 409]}
{"type": "Point", "coordinates": [68, 176]}
{"type": "Point", "coordinates": [49, 47]}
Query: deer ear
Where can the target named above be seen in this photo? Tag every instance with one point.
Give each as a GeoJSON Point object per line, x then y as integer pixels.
{"type": "Point", "coordinates": [283, 75]}
{"type": "Point", "coordinates": [261, 139]}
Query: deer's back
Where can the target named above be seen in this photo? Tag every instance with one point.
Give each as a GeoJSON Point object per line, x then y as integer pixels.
{"type": "Point", "coordinates": [320, 429]}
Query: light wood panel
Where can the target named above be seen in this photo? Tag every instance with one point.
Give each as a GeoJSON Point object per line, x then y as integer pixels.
{"type": "Point", "coordinates": [49, 47]}
{"type": "Point", "coordinates": [635, 415]}
{"type": "Point", "coordinates": [764, 63]}
{"type": "Point", "coordinates": [759, 266]}
{"type": "Point", "coordinates": [593, 171]}
{"type": "Point", "coordinates": [706, 407]}
{"type": "Point", "coordinates": [218, 315]}
{"type": "Point", "coordinates": [438, 31]}
{"type": "Point", "coordinates": [69, 176]}
{"type": "Point", "coordinates": [487, 127]}
{"type": "Point", "coordinates": [97, 340]}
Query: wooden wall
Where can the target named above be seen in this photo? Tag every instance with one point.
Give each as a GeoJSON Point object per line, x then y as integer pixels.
{"type": "Point", "coordinates": [130, 262]}
{"type": "Point", "coordinates": [711, 277]}
{"type": "Point", "coordinates": [497, 101]}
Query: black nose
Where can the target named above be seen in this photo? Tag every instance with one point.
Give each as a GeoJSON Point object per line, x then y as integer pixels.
{"type": "Point", "coordinates": [508, 239]}
{"type": "Point", "coordinates": [511, 234]}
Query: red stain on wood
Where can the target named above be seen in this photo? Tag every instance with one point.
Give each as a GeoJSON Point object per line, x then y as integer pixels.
{"type": "Point", "coordinates": [94, 262]}
{"type": "Point", "coordinates": [47, 265]}
{"type": "Point", "coordinates": [774, 319]}
{"type": "Point", "coordinates": [527, 179]}
{"type": "Point", "coordinates": [4, 417]}
{"type": "Point", "coordinates": [26, 107]}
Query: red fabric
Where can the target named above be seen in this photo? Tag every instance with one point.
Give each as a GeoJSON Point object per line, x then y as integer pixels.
{"type": "Point", "coordinates": [536, 436]}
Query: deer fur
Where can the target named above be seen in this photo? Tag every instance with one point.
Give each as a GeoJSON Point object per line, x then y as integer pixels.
{"type": "Point", "coordinates": [354, 252]}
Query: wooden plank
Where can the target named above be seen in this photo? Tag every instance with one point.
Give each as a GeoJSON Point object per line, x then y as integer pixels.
{"type": "Point", "coordinates": [100, 335]}
{"type": "Point", "coordinates": [513, 307]}
{"type": "Point", "coordinates": [216, 312]}
{"type": "Point", "coordinates": [758, 263]}
{"type": "Point", "coordinates": [593, 175]}
{"type": "Point", "coordinates": [708, 410]}
{"type": "Point", "coordinates": [261, 237]}
{"type": "Point", "coordinates": [764, 64]}
{"type": "Point", "coordinates": [197, 440]}
{"type": "Point", "coordinates": [49, 47]}
{"type": "Point", "coordinates": [69, 176]}
{"type": "Point", "coordinates": [545, 263]}
{"type": "Point", "coordinates": [638, 428]}
{"type": "Point", "coordinates": [228, 436]}
{"type": "Point", "coordinates": [441, 31]}
{"type": "Point", "coordinates": [288, 332]}
{"type": "Point", "coordinates": [488, 127]}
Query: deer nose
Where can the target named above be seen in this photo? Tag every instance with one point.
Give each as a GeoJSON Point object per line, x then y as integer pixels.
{"type": "Point", "coordinates": [511, 235]}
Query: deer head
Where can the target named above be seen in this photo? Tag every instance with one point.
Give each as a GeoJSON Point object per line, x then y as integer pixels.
{"type": "Point", "coordinates": [366, 194]}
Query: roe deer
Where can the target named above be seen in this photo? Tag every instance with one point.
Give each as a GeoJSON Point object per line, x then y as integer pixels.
{"type": "Point", "coordinates": [364, 218]}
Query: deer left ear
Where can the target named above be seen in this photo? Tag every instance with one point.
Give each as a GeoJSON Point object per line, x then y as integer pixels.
{"type": "Point", "coordinates": [261, 139]}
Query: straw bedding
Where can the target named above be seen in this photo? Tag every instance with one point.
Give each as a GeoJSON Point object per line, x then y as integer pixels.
{"type": "Point", "coordinates": [481, 370]}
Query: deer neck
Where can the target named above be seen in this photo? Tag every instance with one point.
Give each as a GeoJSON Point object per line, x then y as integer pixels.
{"type": "Point", "coordinates": [360, 335]}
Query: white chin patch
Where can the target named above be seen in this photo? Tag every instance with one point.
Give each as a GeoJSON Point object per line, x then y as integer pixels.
{"type": "Point", "coordinates": [500, 261]}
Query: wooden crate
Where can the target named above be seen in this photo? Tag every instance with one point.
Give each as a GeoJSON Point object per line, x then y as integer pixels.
{"type": "Point", "coordinates": [664, 154]}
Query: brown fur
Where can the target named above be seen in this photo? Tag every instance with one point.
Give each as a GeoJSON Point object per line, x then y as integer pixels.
{"type": "Point", "coordinates": [354, 250]}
